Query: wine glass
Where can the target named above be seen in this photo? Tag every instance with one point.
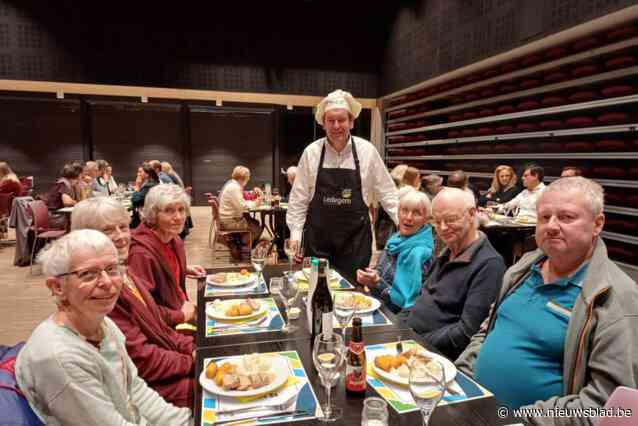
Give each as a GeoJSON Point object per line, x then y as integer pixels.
{"type": "Point", "coordinates": [427, 384]}
{"type": "Point", "coordinates": [258, 257]}
{"type": "Point", "coordinates": [328, 356]}
{"type": "Point", "coordinates": [288, 294]}
{"type": "Point", "coordinates": [275, 285]}
{"type": "Point", "coordinates": [344, 308]}
{"type": "Point", "coordinates": [290, 250]}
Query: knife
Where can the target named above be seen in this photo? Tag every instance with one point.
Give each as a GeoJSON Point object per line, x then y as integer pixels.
{"type": "Point", "coordinates": [271, 416]}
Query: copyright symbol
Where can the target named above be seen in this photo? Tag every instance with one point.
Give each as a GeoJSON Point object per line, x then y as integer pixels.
{"type": "Point", "coordinates": [502, 412]}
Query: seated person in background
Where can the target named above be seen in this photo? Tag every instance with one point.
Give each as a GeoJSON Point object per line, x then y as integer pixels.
{"type": "Point", "coordinates": [570, 171]}
{"type": "Point", "coordinates": [462, 282]}
{"type": "Point", "coordinates": [171, 173]}
{"type": "Point", "coordinates": [86, 182]}
{"type": "Point", "coordinates": [406, 259]}
{"type": "Point", "coordinates": [233, 211]}
{"type": "Point", "coordinates": [63, 193]}
{"type": "Point", "coordinates": [525, 202]}
{"type": "Point", "coordinates": [149, 180]}
{"type": "Point", "coordinates": [458, 179]}
{"type": "Point", "coordinates": [432, 184]}
{"type": "Point", "coordinates": [411, 181]}
{"type": "Point", "coordinates": [9, 182]}
{"type": "Point", "coordinates": [157, 255]}
{"type": "Point", "coordinates": [100, 183]}
{"type": "Point", "coordinates": [110, 180]}
{"type": "Point", "coordinates": [384, 226]}
{"type": "Point", "coordinates": [503, 188]}
{"type": "Point", "coordinates": [565, 319]}
{"type": "Point", "coordinates": [74, 369]}
{"type": "Point", "coordinates": [161, 175]}
{"type": "Point", "coordinates": [163, 357]}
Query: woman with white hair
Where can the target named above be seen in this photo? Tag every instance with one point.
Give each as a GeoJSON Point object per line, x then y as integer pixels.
{"type": "Point", "coordinates": [406, 259]}
{"type": "Point", "coordinates": [163, 357]}
{"type": "Point", "coordinates": [233, 211]}
{"type": "Point", "coordinates": [157, 253]}
{"type": "Point", "coordinates": [74, 369]}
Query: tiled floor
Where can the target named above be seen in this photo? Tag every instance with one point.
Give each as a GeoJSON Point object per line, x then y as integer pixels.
{"type": "Point", "coordinates": [25, 301]}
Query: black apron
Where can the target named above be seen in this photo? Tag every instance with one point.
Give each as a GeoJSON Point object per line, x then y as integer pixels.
{"type": "Point", "coordinates": [338, 223]}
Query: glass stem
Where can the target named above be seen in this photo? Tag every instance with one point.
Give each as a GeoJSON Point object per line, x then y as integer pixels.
{"type": "Point", "coordinates": [328, 412]}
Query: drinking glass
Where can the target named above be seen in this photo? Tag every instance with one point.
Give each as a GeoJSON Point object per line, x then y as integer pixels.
{"type": "Point", "coordinates": [343, 310]}
{"type": "Point", "coordinates": [288, 294]}
{"type": "Point", "coordinates": [375, 412]}
{"type": "Point", "coordinates": [290, 251]}
{"type": "Point", "coordinates": [427, 384]}
{"type": "Point", "coordinates": [258, 257]}
{"type": "Point", "coordinates": [275, 285]}
{"type": "Point", "coordinates": [328, 356]}
{"type": "Point", "coordinates": [306, 267]}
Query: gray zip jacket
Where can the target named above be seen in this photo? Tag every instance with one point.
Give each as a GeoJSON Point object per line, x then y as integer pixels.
{"type": "Point", "coordinates": [601, 344]}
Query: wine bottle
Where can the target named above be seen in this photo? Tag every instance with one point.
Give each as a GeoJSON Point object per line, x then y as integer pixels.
{"type": "Point", "coordinates": [321, 303]}
{"type": "Point", "coordinates": [312, 285]}
{"type": "Point", "coordinates": [356, 362]}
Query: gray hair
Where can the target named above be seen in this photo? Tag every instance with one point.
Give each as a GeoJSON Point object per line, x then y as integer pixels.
{"type": "Point", "coordinates": [416, 200]}
{"type": "Point", "coordinates": [97, 213]}
{"type": "Point", "coordinates": [590, 190]}
{"type": "Point", "coordinates": [433, 179]}
{"type": "Point", "coordinates": [466, 197]}
{"type": "Point", "coordinates": [56, 258]}
{"type": "Point", "coordinates": [161, 196]}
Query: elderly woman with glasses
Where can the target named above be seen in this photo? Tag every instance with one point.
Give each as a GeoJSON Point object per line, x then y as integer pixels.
{"type": "Point", "coordinates": [157, 253]}
{"type": "Point", "coordinates": [74, 369]}
{"type": "Point", "coordinates": [163, 357]}
{"type": "Point", "coordinates": [406, 259]}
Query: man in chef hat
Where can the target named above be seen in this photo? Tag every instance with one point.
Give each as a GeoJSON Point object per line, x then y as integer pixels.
{"type": "Point", "coordinates": [337, 176]}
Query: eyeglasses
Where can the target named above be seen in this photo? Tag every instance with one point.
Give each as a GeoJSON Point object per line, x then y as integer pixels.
{"type": "Point", "coordinates": [450, 220]}
{"type": "Point", "coordinates": [91, 275]}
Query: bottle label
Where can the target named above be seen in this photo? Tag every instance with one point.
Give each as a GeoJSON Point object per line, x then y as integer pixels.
{"type": "Point", "coordinates": [326, 323]}
{"type": "Point", "coordinates": [356, 378]}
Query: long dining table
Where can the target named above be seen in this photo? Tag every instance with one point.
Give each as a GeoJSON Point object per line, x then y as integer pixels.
{"type": "Point", "coordinates": [481, 411]}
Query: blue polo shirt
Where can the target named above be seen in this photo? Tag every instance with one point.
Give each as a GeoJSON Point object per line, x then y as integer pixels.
{"type": "Point", "coordinates": [521, 359]}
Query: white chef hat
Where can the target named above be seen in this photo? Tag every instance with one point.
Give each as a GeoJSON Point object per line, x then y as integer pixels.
{"type": "Point", "coordinates": [337, 99]}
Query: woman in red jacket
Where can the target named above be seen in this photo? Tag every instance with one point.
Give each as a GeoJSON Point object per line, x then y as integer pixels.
{"type": "Point", "coordinates": [9, 182]}
{"type": "Point", "coordinates": [164, 358]}
{"type": "Point", "coordinates": [157, 253]}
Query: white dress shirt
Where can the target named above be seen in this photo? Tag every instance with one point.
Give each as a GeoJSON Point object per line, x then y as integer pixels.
{"type": "Point", "coordinates": [526, 201]}
{"type": "Point", "coordinates": [375, 180]}
{"type": "Point", "coordinates": [231, 201]}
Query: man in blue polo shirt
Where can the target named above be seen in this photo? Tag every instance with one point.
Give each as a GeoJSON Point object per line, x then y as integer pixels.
{"type": "Point", "coordinates": [563, 333]}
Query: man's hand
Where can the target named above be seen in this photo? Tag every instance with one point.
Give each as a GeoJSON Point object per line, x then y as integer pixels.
{"type": "Point", "coordinates": [296, 248]}
{"type": "Point", "coordinates": [189, 310]}
{"type": "Point", "coordinates": [368, 277]}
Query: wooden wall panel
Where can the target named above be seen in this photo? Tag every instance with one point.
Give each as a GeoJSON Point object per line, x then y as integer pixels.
{"type": "Point", "coordinates": [38, 136]}
{"type": "Point", "coordinates": [125, 134]}
{"type": "Point", "coordinates": [222, 138]}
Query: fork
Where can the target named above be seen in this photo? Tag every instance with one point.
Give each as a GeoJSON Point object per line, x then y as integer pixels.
{"type": "Point", "coordinates": [275, 407]}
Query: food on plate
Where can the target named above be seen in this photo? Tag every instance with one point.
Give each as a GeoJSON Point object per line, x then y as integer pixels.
{"type": "Point", "coordinates": [524, 219]}
{"type": "Point", "coordinates": [360, 301]}
{"type": "Point", "coordinates": [400, 364]}
{"type": "Point", "coordinates": [211, 370]}
{"type": "Point", "coordinates": [242, 308]}
{"type": "Point", "coordinates": [219, 277]}
{"type": "Point", "coordinates": [250, 372]}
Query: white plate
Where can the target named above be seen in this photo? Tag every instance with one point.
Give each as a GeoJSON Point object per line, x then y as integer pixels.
{"type": "Point", "coordinates": [235, 283]}
{"type": "Point", "coordinates": [225, 304]}
{"type": "Point", "coordinates": [376, 304]}
{"type": "Point", "coordinates": [448, 368]}
{"type": "Point", "coordinates": [279, 367]}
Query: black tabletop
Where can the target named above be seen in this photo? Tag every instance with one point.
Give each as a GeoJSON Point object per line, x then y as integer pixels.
{"type": "Point", "coordinates": [479, 412]}
{"type": "Point", "coordinates": [268, 336]}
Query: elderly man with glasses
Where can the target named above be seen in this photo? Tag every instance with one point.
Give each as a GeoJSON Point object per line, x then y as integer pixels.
{"type": "Point", "coordinates": [462, 282]}
{"type": "Point", "coordinates": [565, 319]}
